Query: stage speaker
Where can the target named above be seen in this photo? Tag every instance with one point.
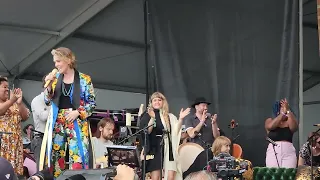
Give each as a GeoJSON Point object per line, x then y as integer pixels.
{"type": "Point", "coordinates": [92, 174]}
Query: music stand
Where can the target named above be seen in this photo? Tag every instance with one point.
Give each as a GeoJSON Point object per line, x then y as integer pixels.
{"type": "Point", "coordinates": [127, 155]}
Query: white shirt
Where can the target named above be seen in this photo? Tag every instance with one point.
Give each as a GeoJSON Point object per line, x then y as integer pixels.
{"type": "Point", "coordinates": [40, 112]}
{"type": "Point", "coordinates": [26, 140]}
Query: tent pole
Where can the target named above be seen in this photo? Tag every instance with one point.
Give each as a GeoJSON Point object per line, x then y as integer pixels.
{"type": "Point", "coordinates": [301, 140]}
{"type": "Point", "coordinates": [145, 14]}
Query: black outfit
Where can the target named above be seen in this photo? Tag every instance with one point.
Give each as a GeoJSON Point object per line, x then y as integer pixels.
{"type": "Point", "coordinates": [281, 134]}
{"type": "Point", "coordinates": [153, 142]}
{"type": "Point", "coordinates": [199, 163]}
{"type": "Point", "coordinates": [65, 102]}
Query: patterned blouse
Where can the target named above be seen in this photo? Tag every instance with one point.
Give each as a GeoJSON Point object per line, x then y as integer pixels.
{"type": "Point", "coordinates": [11, 144]}
{"type": "Point", "coordinates": [306, 155]}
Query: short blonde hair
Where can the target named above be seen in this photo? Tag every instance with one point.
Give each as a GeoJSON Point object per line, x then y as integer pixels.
{"type": "Point", "coordinates": [66, 54]}
{"type": "Point", "coordinates": [218, 143]}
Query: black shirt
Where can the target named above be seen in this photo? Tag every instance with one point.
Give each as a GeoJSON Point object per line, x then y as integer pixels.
{"type": "Point", "coordinates": [206, 130]}
{"type": "Point", "coordinates": [65, 101]}
{"type": "Point", "coordinates": [281, 134]}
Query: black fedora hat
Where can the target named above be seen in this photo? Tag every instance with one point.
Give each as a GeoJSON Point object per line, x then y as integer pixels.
{"type": "Point", "coordinates": [200, 100]}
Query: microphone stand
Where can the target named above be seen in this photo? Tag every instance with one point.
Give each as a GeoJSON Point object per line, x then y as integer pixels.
{"type": "Point", "coordinates": [145, 131]}
{"type": "Point", "coordinates": [311, 139]}
{"type": "Point", "coordinates": [275, 153]}
{"type": "Point", "coordinates": [207, 147]}
{"type": "Point", "coordinates": [274, 150]}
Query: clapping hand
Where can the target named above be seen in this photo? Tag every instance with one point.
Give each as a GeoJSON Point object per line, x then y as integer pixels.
{"type": "Point", "coordinates": [184, 113]}
{"type": "Point", "coordinates": [284, 104]}
{"type": "Point", "coordinates": [151, 113]}
{"type": "Point", "coordinates": [16, 95]}
{"type": "Point", "coordinates": [214, 119]}
{"type": "Point", "coordinates": [204, 115]}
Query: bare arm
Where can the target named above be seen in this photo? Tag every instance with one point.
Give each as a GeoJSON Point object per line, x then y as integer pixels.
{"type": "Point", "coordinates": [293, 122]}
{"type": "Point", "coordinates": [5, 106]}
{"type": "Point", "coordinates": [192, 132]}
{"type": "Point", "coordinates": [301, 161]}
{"type": "Point", "coordinates": [24, 111]}
{"type": "Point", "coordinates": [271, 124]}
{"type": "Point", "coordinates": [215, 130]}
{"type": "Point", "coordinates": [182, 115]}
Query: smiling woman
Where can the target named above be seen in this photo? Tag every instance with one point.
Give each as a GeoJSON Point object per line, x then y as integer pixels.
{"type": "Point", "coordinates": [72, 99]}
{"type": "Point", "coordinates": [12, 112]}
{"type": "Point", "coordinates": [166, 128]}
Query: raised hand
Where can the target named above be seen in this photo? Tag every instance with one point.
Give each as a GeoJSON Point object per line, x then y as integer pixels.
{"type": "Point", "coordinates": [214, 119]}
{"type": "Point", "coordinates": [151, 113]}
{"type": "Point", "coordinates": [184, 113]}
{"type": "Point", "coordinates": [14, 96]}
{"type": "Point", "coordinates": [284, 104]}
{"type": "Point", "coordinates": [204, 115]}
{"type": "Point", "coordinates": [19, 95]}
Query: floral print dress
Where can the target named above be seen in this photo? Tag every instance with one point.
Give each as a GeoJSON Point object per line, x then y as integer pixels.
{"type": "Point", "coordinates": [11, 144]}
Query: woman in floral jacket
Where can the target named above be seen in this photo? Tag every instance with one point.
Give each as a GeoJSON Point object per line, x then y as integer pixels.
{"type": "Point", "coordinates": [72, 100]}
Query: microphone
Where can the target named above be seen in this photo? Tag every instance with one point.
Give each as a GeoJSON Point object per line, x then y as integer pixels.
{"type": "Point", "coordinates": [37, 131]}
{"type": "Point", "coordinates": [317, 125]}
{"type": "Point", "coordinates": [53, 72]}
{"type": "Point", "coordinates": [271, 141]}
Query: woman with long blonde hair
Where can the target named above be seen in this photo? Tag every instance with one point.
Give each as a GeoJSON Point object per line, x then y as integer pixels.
{"type": "Point", "coordinates": [161, 121]}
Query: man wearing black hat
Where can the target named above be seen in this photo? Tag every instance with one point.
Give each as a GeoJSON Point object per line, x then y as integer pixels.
{"type": "Point", "coordinates": [202, 127]}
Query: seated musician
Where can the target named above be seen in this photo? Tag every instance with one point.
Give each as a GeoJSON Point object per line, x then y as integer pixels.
{"type": "Point", "coordinates": [201, 127]}
{"type": "Point", "coordinates": [105, 132]}
{"type": "Point", "coordinates": [184, 138]}
{"type": "Point", "coordinates": [220, 145]}
{"type": "Point", "coordinates": [309, 149]}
